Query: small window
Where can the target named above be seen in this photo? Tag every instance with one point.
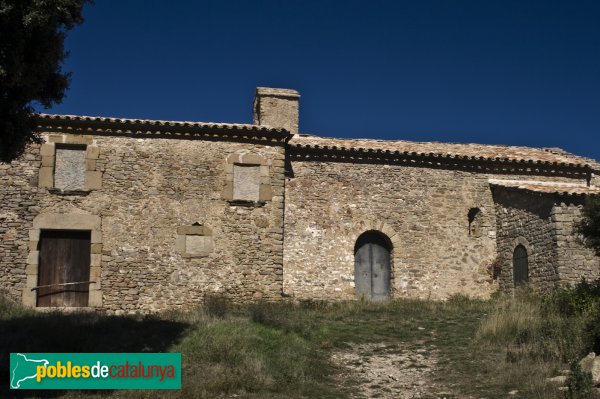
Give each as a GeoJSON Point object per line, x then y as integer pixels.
{"type": "Point", "coordinates": [246, 182]}
{"type": "Point", "coordinates": [474, 217]}
{"type": "Point", "coordinates": [70, 167]}
{"type": "Point", "coordinates": [520, 266]}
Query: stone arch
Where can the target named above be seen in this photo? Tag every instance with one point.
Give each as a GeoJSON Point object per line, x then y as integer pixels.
{"type": "Point", "coordinates": [65, 221]}
{"type": "Point", "coordinates": [372, 265]}
{"type": "Point", "coordinates": [385, 229]}
{"type": "Point", "coordinates": [520, 261]}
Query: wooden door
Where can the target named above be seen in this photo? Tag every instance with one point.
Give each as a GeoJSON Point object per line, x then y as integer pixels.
{"type": "Point", "coordinates": [64, 259]}
{"type": "Point", "coordinates": [372, 267]}
{"type": "Point", "coordinates": [520, 266]}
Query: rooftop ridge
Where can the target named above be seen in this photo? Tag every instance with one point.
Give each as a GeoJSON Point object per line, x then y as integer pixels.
{"type": "Point", "coordinates": [107, 119]}
{"type": "Point", "coordinates": [465, 151]}
{"type": "Point", "coordinates": [450, 150]}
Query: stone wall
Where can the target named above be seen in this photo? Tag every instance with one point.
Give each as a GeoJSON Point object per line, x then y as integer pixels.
{"type": "Point", "coordinates": [181, 210]}
{"type": "Point", "coordinates": [526, 219]}
{"type": "Point", "coordinates": [575, 260]}
{"type": "Point", "coordinates": [152, 190]}
{"type": "Point", "coordinates": [546, 225]}
{"type": "Point", "coordinates": [424, 211]}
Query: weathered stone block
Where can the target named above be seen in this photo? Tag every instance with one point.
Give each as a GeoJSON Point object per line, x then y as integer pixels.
{"type": "Point", "coordinates": [246, 182]}
{"type": "Point", "coordinates": [92, 152]}
{"type": "Point", "coordinates": [95, 260]}
{"type": "Point", "coordinates": [265, 193]}
{"type": "Point", "coordinates": [33, 258]}
{"type": "Point", "coordinates": [93, 180]}
{"type": "Point", "coordinates": [69, 169]}
{"type": "Point", "coordinates": [90, 164]}
{"type": "Point", "coordinates": [198, 245]}
{"type": "Point", "coordinates": [96, 248]}
{"type": "Point", "coordinates": [252, 159]}
{"type": "Point", "coordinates": [95, 298]}
{"type": "Point", "coordinates": [48, 161]}
{"type": "Point", "coordinates": [46, 177]}
{"type": "Point", "coordinates": [47, 150]}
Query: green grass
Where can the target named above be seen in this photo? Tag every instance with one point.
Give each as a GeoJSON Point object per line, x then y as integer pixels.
{"type": "Point", "coordinates": [282, 350]}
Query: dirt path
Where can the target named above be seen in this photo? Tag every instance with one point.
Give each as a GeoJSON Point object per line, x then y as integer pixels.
{"type": "Point", "coordinates": [380, 371]}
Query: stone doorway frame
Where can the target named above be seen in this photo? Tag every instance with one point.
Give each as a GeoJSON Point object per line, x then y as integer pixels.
{"type": "Point", "coordinates": [65, 221]}
{"type": "Point", "coordinates": [361, 226]}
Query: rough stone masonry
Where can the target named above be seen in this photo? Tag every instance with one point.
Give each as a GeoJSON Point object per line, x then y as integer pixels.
{"type": "Point", "coordinates": [180, 211]}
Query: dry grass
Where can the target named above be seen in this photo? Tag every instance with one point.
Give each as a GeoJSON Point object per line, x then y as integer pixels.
{"type": "Point", "coordinates": [281, 350]}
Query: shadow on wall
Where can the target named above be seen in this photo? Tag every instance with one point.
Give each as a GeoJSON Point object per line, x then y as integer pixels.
{"type": "Point", "coordinates": [81, 332]}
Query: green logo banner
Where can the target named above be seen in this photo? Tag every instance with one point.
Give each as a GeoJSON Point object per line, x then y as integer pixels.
{"type": "Point", "coordinates": [95, 370]}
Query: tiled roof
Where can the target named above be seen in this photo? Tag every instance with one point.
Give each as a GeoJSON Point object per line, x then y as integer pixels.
{"type": "Point", "coordinates": [451, 151]}
{"type": "Point", "coordinates": [153, 124]}
{"type": "Point", "coordinates": [547, 187]}
{"type": "Point", "coordinates": [474, 152]}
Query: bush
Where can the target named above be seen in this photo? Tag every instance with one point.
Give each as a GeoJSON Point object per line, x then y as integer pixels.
{"type": "Point", "coordinates": [579, 300]}
{"type": "Point", "coordinates": [579, 382]}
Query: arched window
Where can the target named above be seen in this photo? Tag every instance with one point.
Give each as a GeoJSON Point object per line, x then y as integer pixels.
{"type": "Point", "coordinates": [372, 266]}
{"type": "Point", "coordinates": [520, 266]}
{"type": "Point", "coordinates": [474, 217]}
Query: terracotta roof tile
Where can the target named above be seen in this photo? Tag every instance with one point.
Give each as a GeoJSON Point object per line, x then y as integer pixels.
{"type": "Point", "coordinates": [547, 187]}
{"type": "Point", "coordinates": [482, 152]}
{"type": "Point", "coordinates": [157, 123]}
{"type": "Point", "coordinates": [446, 150]}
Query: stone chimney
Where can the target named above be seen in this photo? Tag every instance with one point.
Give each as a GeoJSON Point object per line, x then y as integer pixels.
{"type": "Point", "coordinates": [276, 108]}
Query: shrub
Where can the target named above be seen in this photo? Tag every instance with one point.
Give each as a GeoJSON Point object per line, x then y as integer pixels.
{"type": "Point", "coordinates": [579, 382]}
{"type": "Point", "coordinates": [579, 300]}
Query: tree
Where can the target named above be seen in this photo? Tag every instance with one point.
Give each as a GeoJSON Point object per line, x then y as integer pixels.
{"type": "Point", "coordinates": [32, 34]}
{"type": "Point", "coordinates": [590, 223]}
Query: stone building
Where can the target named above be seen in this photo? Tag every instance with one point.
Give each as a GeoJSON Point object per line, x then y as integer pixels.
{"type": "Point", "coordinates": [141, 215]}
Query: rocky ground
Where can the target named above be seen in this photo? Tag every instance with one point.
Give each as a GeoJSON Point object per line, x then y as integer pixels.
{"type": "Point", "coordinates": [380, 371]}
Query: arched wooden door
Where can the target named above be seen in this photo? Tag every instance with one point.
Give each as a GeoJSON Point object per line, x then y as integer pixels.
{"type": "Point", "coordinates": [520, 266]}
{"type": "Point", "coordinates": [372, 266]}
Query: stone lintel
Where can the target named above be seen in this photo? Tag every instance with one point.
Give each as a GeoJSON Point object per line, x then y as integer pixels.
{"type": "Point", "coordinates": [70, 139]}
{"type": "Point", "coordinates": [192, 230]}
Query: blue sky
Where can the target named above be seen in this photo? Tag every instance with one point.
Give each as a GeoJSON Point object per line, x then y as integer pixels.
{"type": "Point", "coordinates": [519, 72]}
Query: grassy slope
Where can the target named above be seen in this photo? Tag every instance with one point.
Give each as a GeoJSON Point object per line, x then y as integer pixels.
{"type": "Point", "coordinates": [485, 348]}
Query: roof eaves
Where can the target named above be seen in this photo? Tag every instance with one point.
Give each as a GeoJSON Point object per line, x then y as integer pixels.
{"type": "Point", "coordinates": [97, 124]}
{"type": "Point", "coordinates": [447, 155]}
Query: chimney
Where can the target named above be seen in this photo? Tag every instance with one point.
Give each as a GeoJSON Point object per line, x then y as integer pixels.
{"type": "Point", "coordinates": [276, 108]}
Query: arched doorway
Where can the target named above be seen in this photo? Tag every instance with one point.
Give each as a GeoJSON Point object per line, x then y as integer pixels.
{"type": "Point", "coordinates": [372, 266]}
{"type": "Point", "coordinates": [520, 266]}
